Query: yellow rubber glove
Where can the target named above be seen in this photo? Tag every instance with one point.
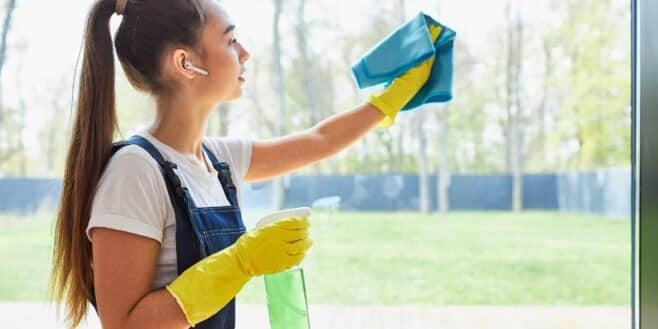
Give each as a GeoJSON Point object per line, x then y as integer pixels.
{"type": "Point", "coordinates": [207, 286]}
{"type": "Point", "coordinates": [403, 88]}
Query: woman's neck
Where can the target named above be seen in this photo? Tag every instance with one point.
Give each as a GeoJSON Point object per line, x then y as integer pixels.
{"type": "Point", "coordinates": [181, 127]}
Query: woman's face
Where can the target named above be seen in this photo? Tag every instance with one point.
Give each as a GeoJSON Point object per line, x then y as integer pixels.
{"type": "Point", "coordinates": [224, 55]}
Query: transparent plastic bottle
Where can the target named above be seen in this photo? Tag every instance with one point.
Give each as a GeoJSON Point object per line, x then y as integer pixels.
{"type": "Point", "coordinates": [287, 304]}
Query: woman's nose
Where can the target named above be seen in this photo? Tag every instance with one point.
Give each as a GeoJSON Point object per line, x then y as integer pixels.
{"type": "Point", "coordinates": [244, 54]}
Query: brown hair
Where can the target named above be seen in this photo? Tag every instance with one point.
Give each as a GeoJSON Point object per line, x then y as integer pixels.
{"type": "Point", "coordinates": [147, 28]}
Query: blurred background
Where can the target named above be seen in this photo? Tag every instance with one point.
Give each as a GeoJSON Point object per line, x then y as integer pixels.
{"type": "Point", "coordinates": [508, 207]}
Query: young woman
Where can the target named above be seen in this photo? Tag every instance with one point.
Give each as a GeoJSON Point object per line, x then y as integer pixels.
{"type": "Point", "coordinates": [149, 230]}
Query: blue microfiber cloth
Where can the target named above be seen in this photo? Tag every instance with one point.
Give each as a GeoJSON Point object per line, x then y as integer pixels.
{"type": "Point", "coordinates": [406, 47]}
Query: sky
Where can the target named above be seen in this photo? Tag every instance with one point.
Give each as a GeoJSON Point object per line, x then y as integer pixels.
{"type": "Point", "coordinates": [51, 33]}
{"type": "Point", "coordinates": [52, 30]}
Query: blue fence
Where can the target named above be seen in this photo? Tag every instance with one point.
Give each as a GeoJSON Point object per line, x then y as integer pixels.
{"type": "Point", "coordinates": [605, 192]}
{"type": "Point", "coordinates": [28, 194]}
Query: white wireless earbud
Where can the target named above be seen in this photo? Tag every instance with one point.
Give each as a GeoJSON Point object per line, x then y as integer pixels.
{"type": "Point", "coordinates": [188, 65]}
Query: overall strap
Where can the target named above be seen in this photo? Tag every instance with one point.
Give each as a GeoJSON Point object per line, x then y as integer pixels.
{"type": "Point", "coordinates": [224, 173]}
{"type": "Point", "coordinates": [178, 195]}
{"type": "Point", "coordinates": [166, 166]}
{"type": "Point", "coordinates": [174, 187]}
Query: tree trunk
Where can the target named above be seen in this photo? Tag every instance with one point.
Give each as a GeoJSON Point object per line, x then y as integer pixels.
{"type": "Point", "coordinates": [519, 154]}
{"type": "Point", "coordinates": [265, 126]}
{"type": "Point", "coordinates": [509, 124]}
{"type": "Point", "coordinates": [423, 175]}
{"type": "Point", "coordinates": [55, 130]}
{"type": "Point", "coordinates": [308, 82]}
{"type": "Point", "coordinates": [280, 91]}
{"type": "Point", "coordinates": [22, 107]}
{"type": "Point", "coordinates": [514, 106]}
{"type": "Point", "coordinates": [443, 172]}
{"type": "Point", "coordinates": [307, 67]}
{"type": "Point", "coordinates": [397, 159]}
{"type": "Point", "coordinates": [222, 120]}
{"type": "Point", "coordinates": [542, 104]}
{"type": "Point", "coordinates": [10, 6]}
{"type": "Point", "coordinates": [443, 175]}
{"type": "Point", "coordinates": [424, 203]}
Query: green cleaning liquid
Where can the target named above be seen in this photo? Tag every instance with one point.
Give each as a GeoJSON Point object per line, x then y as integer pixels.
{"type": "Point", "coordinates": [286, 300]}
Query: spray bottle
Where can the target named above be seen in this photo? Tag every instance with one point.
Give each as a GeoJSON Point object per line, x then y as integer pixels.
{"type": "Point", "coordinates": [287, 304]}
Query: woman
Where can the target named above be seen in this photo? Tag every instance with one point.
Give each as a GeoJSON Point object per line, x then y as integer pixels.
{"type": "Point", "coordinates": [149, 230]}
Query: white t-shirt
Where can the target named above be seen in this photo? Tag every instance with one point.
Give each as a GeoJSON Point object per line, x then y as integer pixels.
{"type": "Point", "coordinates": [132, 196]}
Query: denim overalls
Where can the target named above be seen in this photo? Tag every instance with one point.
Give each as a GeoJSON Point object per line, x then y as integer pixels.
{"type": "Point", "coordinates": [199, 231]}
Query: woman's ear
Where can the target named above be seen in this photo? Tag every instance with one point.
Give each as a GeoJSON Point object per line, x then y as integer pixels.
{"type": "Point", "coordinates": [177, 62]}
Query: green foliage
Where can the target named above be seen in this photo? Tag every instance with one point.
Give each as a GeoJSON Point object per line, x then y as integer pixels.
{"type": "Point", "coordinates": [593, 83]}
{"type": "Point", "coordinates": [575, 87]}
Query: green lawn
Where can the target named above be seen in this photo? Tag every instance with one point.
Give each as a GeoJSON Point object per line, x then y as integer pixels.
{"type": "Point", "coordinates": [463, 258]}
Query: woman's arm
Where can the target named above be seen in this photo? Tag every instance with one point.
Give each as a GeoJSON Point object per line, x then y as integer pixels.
{"type": "Point", "coordinates": [274, 157]}
{"type": "Point", "coordinates": [122, 283]}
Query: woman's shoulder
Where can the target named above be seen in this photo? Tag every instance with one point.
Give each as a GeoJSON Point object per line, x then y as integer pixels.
{"type": "Point", "coordinates": [233, 150]}
{"type": "Point", "coordinates": [132, 160]}
{"type": "Point", "coordinates": [227, 147]}
{"type": "Point", "coordinates": [131, 195]}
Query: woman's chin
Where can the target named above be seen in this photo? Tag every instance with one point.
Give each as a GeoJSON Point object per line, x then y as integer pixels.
{"type": "Point", "coordinates": [236, 95]}
{"type": "Point", "coordinates": [231, 96]}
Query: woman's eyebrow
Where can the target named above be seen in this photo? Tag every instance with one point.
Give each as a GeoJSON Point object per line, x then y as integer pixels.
{"type": "Point", "coordinates": [229, 28]}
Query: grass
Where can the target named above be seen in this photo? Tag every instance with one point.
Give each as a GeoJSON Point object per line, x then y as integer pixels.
{"type": "Point", "coordinates": [464, 258]}
{"type": "Point", "coordinates": [25, 254]}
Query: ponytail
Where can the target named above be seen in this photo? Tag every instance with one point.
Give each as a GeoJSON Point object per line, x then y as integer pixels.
{"type": "Point", "coordinates": [147, 28]}
{"type": "Point", "coordinates": [91, 141]}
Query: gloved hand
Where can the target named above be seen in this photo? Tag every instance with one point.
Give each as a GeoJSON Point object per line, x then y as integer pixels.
{"type": "Point", "coordinates": [403, 88]}
{"type": "Point", "coordinates": [207, 286]}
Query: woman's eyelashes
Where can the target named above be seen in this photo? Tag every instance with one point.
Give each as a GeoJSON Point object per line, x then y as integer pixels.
{"type": "Point", "coordinates": [233, 38]}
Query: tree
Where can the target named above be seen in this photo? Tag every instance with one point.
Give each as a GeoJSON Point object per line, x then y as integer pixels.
{"type": "Point", "coordinates": [6, 26]}
{"type": "Point", "coordinates": [592, 82]}
{"type": "Point", "coordinates": [307, 72]}
{"type": "Point", "coordinates": [514, 107]}
{"type": "Point", "coordinates": [52, 134]}
{"type": "Point", "coordinates": [21, 114]}
{"type": "Point", "coordinates": [443, 174]}
{"type": "Point", "coordinates": [10, 150]}
{"type": "Point", "coordinates": [279, 88]}
{"type": "Point", "coordinates": [267, 122]}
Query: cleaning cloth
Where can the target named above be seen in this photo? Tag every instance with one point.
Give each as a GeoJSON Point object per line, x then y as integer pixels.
{"type": "Point", "coordinates": [407, 46]}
